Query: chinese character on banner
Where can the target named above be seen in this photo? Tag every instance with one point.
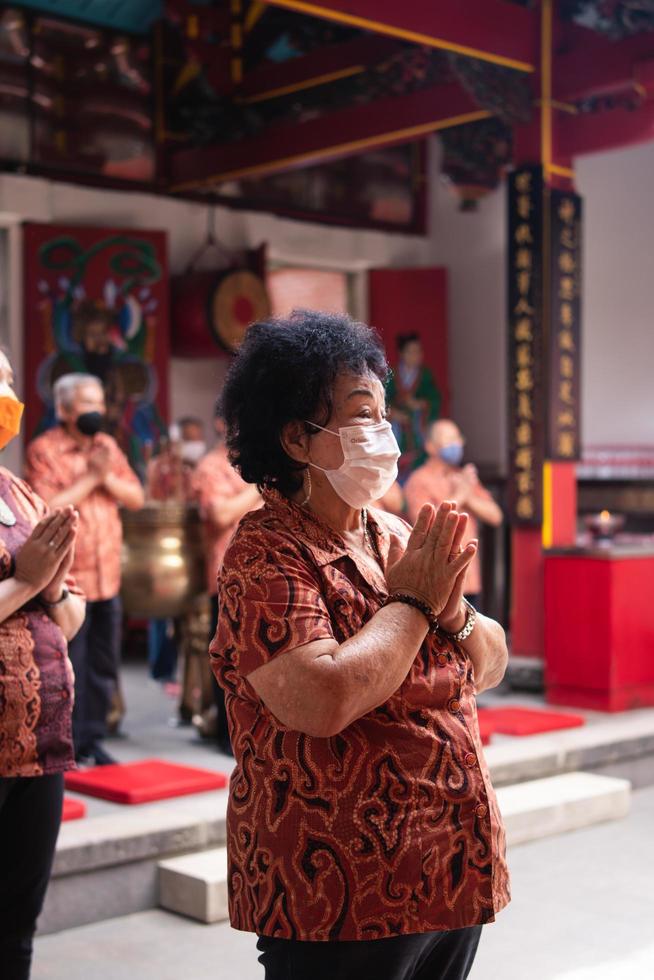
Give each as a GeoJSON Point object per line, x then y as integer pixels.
{"type": "Point", "coordinates": [563, 395]}
{"type": "Point", "coordinates": [526, 345]}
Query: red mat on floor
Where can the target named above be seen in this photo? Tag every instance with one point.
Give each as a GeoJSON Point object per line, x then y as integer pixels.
{"type": "Point", "coordinates": [526, 721]}
{"type": "Point", "coordinates": [485, 728]}
{"type": "Point", "coordinates": [73, 809]}
{"type": "Point", "coordinates": [143, 782]}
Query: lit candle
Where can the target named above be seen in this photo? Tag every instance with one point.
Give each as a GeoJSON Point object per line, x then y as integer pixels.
{"type": "Point", "coordinates": [605, 516]}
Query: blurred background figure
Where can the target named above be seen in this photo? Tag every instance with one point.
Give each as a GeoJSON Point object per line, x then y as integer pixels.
{"type": "Point", "coordinates": [414, 401]}
{"type": "Point", "coordinates": [77, 464]}
{"type": "Point", "coordinates": [168, 476]}
{"type": "Point", "coordinates": [190, 433]}
{"type": "Point", "coordinates": [443, 477]}
{"type": "Point", "coordinates": [169, 481]}
{"type": "Point", "coordinates": [223, 498]}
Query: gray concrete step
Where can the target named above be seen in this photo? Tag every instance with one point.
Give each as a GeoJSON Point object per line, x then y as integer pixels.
{"type": "Point", "coordinates": [559, 804]}
{"type": "Point", "coordinates": [106, 866]}
{"type": "Point", "coordinates": [195, 885]}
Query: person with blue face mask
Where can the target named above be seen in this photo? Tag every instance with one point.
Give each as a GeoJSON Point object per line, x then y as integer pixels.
{"type": "Point", "coordinates": [443, 477]}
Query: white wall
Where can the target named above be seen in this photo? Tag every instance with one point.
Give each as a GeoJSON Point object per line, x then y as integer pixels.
{"type": "Point", "coordinates": [473, 247]}
{"type": "Point", "coordinates": [618, 318]}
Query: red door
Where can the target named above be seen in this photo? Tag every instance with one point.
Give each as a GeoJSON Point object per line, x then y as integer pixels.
{"type": "Point", "coordinates": [405, 301]}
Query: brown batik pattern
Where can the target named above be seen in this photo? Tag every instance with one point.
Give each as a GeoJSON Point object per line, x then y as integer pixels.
{"type": "Point", "coordinates": [390, 827]}
{"type": "Point", "coordinates": [36, 677]}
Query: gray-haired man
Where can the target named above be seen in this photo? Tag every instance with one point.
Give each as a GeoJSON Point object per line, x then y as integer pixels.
{"type": "Point", "coordinates": [76, 463]}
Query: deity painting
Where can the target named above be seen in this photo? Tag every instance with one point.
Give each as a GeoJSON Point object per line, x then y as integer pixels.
{"type": "Point", "coordinates": [414, 400]}
{"type": "Point", "coordinates": [96, 302]}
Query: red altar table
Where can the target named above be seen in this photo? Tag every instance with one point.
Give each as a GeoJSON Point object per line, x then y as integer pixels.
{"type": "Point", "coordinates": [599, 627]}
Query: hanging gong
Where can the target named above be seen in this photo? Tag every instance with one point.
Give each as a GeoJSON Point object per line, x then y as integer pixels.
{"type": "Point", "coordinates": [239, 299]}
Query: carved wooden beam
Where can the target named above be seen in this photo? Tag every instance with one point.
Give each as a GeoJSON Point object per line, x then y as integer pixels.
{"type": "Point", "coordinates": [338, 134]}
{"type": "Point", "coordinates": [492, 30]}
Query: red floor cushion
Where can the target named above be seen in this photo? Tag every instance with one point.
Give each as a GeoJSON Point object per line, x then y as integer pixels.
{"type": "Point", "coordinates": [73, 809]}
{"type": "Point", "coordinates": [143, 782]}
{"type": "Point", "coordinates": [527, 721]}
{"type": "Point", "coordinates": [485, 728]}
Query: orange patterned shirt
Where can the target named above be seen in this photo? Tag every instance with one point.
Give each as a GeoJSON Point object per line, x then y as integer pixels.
{"type": "Point", "coordinates": [388, 828]}
{"type": "Point", "coordinates": [432, 483]}
{"type": "Point", "coordinates": [55, 461]}
{"type": "Point", "coordinates": [36, 676]}
{"type": "Point", "coordinates": [214, 477]}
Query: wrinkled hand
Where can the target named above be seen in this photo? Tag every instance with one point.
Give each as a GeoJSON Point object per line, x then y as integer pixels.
{"type": "Point", "coordinates": [99, 462]}
{"type": "Point", "coordinates": [53, 591]}
{"type": "Point", "coordinates": [464, 482]}
{"type": "Point", "coordinates": [40, 558]}
{"type": "Point", "coordinates": [453, 616]}
{"type": "Point", "coordinates": [428, 569]}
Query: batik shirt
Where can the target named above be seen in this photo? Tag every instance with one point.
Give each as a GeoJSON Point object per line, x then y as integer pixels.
{"type": "Point", "coordinates": [36, 676]}
{"type": "Point", "coordinates": [388, 828]}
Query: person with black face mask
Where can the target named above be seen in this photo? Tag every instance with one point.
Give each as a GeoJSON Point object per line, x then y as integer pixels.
{"type": "Point", "coordinates": [78, 464]}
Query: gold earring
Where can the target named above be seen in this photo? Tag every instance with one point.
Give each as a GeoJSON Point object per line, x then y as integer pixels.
{"type": "Point", "coordinates": [306, 484]}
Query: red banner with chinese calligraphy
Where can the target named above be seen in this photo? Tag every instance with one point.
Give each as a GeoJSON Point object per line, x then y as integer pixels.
{"type": "Point", "coordinates": [526, 347]}
{"type": "Point", "coordinates": [564, 395]}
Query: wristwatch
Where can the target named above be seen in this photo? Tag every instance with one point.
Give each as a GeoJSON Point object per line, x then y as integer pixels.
{"type": "Point", "coordinates": [468, 626]}
{"type": "Point", "coordinates": [62, 598]}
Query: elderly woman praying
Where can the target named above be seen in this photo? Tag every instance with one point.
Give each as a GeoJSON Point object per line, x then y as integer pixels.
{"type": "Point", "coordinates": [364, 837]}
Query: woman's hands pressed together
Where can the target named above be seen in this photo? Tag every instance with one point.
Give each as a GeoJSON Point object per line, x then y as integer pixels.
{"type": "Point", "coordinates": [46, 557]}
{"type": "Point", "coordinates": [433, 566]}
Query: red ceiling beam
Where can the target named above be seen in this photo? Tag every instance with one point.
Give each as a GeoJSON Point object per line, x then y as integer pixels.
{"type": "Point", "coordinates": [328, 64]}
{"type": "Point", "coordinates": [596, 132]}
{"type": "Point", "coordinates": [595, 65]}
{"type": "Point", "coordinates": [492, 30]}
{"type": "Point", "coordinates": [339, 134]}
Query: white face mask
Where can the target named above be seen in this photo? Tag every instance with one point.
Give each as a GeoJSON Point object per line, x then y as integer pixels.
{"type": "Point", "coordinates": [369, 468]}
{"type": "Point", "coordinates": [193, 450]}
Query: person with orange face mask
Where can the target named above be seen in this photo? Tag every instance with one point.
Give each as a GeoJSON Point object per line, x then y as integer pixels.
{"type": "Point", "coordinates": [41, 609]}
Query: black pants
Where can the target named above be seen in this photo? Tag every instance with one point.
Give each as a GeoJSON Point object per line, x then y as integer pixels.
{"type": "Point", "coordinates": [423, 956]}
{"type": "Point", "coordinates": [95, 655]}
{"type": "Point", "coordinates": [30, 814]}
{"type": "Point", "coordinates": [222, 729]}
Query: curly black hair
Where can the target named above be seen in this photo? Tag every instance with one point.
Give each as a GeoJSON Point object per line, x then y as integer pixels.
{"type": "Point", "coordinates": [285, 371]}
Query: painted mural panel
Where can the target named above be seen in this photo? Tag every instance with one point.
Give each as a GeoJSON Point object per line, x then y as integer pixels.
{"type": "Point", "coordinates": [96, 301]}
